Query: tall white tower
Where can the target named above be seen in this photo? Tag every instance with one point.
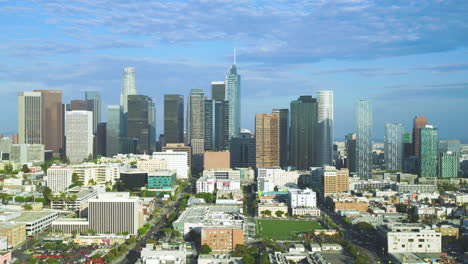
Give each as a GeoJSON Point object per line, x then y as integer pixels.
{"type": "Point", "coordinates": [128, 87]}
{"type": "Point", "coordinates": [325, 123]}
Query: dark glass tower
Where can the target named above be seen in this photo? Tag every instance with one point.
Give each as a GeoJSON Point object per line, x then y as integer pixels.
{"type": "Point", "coordinates": [242, 150]}
{"type": "Point", "coordinates": [218, 91]}
{"type": "Point", "coordinates": [174, 118]}
{"type": "Point", "coordinates": [283, 135]}
{"type": "Point", "coordinates": [141, 122]}
{"type": "Point", "coordinates": [304, 133]}
{"type": "Point", "coordinates": [216, 125]}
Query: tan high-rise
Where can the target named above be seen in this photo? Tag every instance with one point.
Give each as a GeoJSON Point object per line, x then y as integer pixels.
{"type": "Point", "coordinates": [419, 121]}
{"type": "Point", "coordinates": [267, 140]}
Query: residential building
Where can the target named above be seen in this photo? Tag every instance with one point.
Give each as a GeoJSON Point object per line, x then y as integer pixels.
{"type": "Point", "coordinates": [243, 151]}
{"type": "Point", "coordinates": [79, 135]}
{"type": "Point", "coordinates": [216, 160]}
{"type": "Point", "coordinates": [394, 147]}
{"type": "Point", "coordinates": [101, 174]}
{"type": "Point", "coordinates": [267, 140]}
{"type": "Point", "coordinates": [32, 154]}
{"type": "Point", "coordinates": [364, 139]}
{"type": "Point", "coordinates": [304, 133]}
{"type": "Point", "coordinates": [419, 121]}
{"type": "Point", "coordinates": [428, 147]}
{"type": "Point", "coordinates": [448, 164]}
{"type": "Point", "coordinates": [175, 161]}
{"type": "Point", "coordinates": [283, 124]}
{"type": "Point", "coordinates": [452, 146]}
{"type": "Point", "coordinates": [174, 118]}
{"type": "Point", "coordinates": [59, 178]}
{"type": "Point", "coordinates": [233, 95]}
{"type": "Point", "coordinates": [141, 122]}
{"type": "Point", "coordinates": [302, 198]}
{"type": "Point", "coordinates": [268, 178]}
{"type": "Point", "coordinates": [325, 127]}
{"type": "Point", "coordinates": [115, 212]}
{"type": "Point", "coordinates": [15, 233]}
{"type": "Point", "coordinates": [222, 240]}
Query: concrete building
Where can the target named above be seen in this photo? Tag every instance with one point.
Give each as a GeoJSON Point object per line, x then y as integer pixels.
{"type": "Point", "coordinates": [211, 184]}
{"type": "Point", "coordinates": [165, 254]}
{"type": "Point", "coordinates": [78, 135]}
{"type": "Point", "coordinates": [219, 259]}
{"type": "Point", "coordinates": [198, 149]}
{"type": "Point", "coordinates": [302, 198]}
{"type": "Point", "coordinates": [152, 164]}
{"type": "Point", "coordinates": [330, 180]}
{"type": "Point", "coordinates": [32, 154]}
{"type": "Point", "coordinates": [222, 240]}
{"type": "Point", "coordinates": [82, 195]}
{"type": "Point", "coordinates": [273, 208]}
{"type": "Point", "coordinates": [115, 212]}
{"type": "Point", "coordinates": [97, 173]}
{"type": "Point", "coordinates": [15, 233]}
{"type": "Point", "coordinates": [59, 178]}
{"type": "Point", "coordinates": [267, 140]}
{"type": "Point", "coordinates": [180, 147]}
{"type": "Point", "coordinates": [69, 225]}
{"type": "Point", "coordinates": [177, 161]}
{"type": "Point", "coordinates": [268, 178]}
{"type": "Point", "coordinates": [414, 241]}
{"type": "Point", "coordinates": [216, 160]}
{"type": "Point", "coordinates": [35, 221]}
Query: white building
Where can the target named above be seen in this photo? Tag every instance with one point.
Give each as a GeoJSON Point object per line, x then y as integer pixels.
{"type": "Point", "coordinates": [152, 164]}
{"type": "Point", "coordinates": [35, 221]}
{"type": "Point", "coordinates": [302, 198]}
{"type": "Point", "coordinates": [98, 173]}
{"type": "Point", "coordinates": [164, 254]}
{"type": "Point", "coordinates": [78, 135]}
{"type": "Point", "coordinates": [115, 212]}
{"type": "Point", "coordinates": [209, 185]}
{"type": "Point", "coordinates": [422, 241]}
{"type": "Point", "coordinates": [175, 161]}
{"type": "Point", "coordinates": [222, 174]}
{"type": "Point", "coordinates": [12, 181]}
{"type": "Point", "coordinates": [275, 176]}
{"type": "Point", "coordinates": [31, 154]}
{"type": "Point", "coordinates": [59, 178]}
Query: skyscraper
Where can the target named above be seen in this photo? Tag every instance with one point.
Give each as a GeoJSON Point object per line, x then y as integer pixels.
{"type": "Point", "coordinates": [79, 105]}
{"type": "Point", "coordinates": [428, 147]}
{"type": "Point", "coordinates": [394, 146]}
{"type": "Point", "coordinates": [233, 95]}
{"type": "Point", "coordinates": [419, 122]}
{"type": "Point", "coordinates": [350, 145]}
{"type": "Point", "coordinates": [78, 135]}
{"type": "Point", "coordinates": [283, 115]}
{"type": "Point", "coordinates": [325, 126]}
{"type": "Point", "coordinates": [100, 148]}
{"type": "Point", "coordinates": [267, 140]}
{"type": "Point", "coordinates": [242, 151]}
{"type": "Point", "coordinates": [113, 130]}
{"type": "Point", "coordinates": [218, 91]}
{"type": "Point", "coordinates": [448, 164]}
{"type": "Point", "coordinates": [216, 125]}
{"type": "Point", "coordinates": [141, 122]}
{"type": "Point", "coordinates": [94, 100]}
{"type": "Point", "coordinates": [303, 152]}
{"type": "Point", "coordinates": [29, 118]}
{"type": "Point", "coordinates": [128, 87]}
{"type": "Point", "coordinates": [196, 115]}
{"type": "Point", "coordinates": [364, 139]}
{"type": "Point", "coordinates": [174, 118]}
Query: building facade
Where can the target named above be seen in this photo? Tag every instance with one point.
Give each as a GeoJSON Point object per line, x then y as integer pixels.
{"type": "Point", "coordinates": [59, 178]}
{"type": "Point", "coordinates": [78, 135]}
{"type": "Point", "coordinates": [243, 151]}
{"type": "Point", "coordinates": [428, 147]}
{"type": "Point", "coordinates": [283, 124]}
{"type": "Point", "coordinates": [173, 118]}
{"type": "Point", "coordinates": [141, 122]}
{"type": "Point", "coordinates": [233, 95]}
{"type": "Point", "coordinates": [267, 134]}
{"type": "Point", "coordinates": [394, 146]}
{"type": "Point", "coordinates": [325, 127]}
{"type": "Point", "coordinates": [364, 139]}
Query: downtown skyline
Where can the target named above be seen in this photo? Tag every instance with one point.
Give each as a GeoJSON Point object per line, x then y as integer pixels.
{"type": "Point", "coordinates": [411, 75]}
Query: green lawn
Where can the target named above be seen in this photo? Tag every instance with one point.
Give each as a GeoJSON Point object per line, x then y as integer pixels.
{"type": "Point", "coordinates": [284, 229]}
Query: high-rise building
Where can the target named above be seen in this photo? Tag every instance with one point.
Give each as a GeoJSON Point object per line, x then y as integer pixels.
{"type": "Point", "coordinates": [350, 146]}
{"type": "Point", "coordinates": [428, 147]}
{"type": "Point", "coordinates": [196, 115]}
{"type": "Point", "coordinates": [113, 130]}
{"type": "Point", "coordinates": [141, 122]}
{"type": "Point", "coordinates": [330, 180]}
{"type": "Point", "coordinates": [218, 91]}
{"type": "Point", "coordinates": [325, 127]}
{"type": "Point", "coordinates": [59, 178]}
{"type": "Point", "coordinates": [364, 139]}
{"type": "Point", "coordinates": [448, 164]}
{"type": "Point", "coordinates": [198, 149]}
{"type": "Point", "coordinates": [283, 115]}
{"type": "Point", "coordinates": [419, 122]}
{"type": "Point", "coordinates": [303, 152]}
{"type": "Point", "coordinates": [176, 160]}
{"type": "Point", "coordinates": [233, 95]}
{"type": "Point", "coordinates": [128, 87]}
{"type": "Point", "coordinates": [78, 135]}
{"type": "Point", "coordinates": [94, 102]}
{"type": "Point", "coordinates": [216, 125]}
{"type": "Point", "coordinates": [451, 146]}
{"type": "Point", "coordinates": [394, 146]}
{"type": "Point", "coordinates": [79, 105]}
{"type": "Point", "coordinates": [52, 120]}
{"type": "Point", "coordinates": [101, 140]}
{"type": "Point", "coordinates": [242, 151]}
{"type": "Point", "coordinates": [408, 148]}
{"type": "Point", "coordinates": [267, 140]}
{"type": "Point", "coordinates": [29, 118]}
{"type": "Point", "coordinates": [115, 212]}
{"type": "Point", "coordinates": [173, 118]}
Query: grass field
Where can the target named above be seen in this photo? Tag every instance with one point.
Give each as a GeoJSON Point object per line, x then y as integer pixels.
{"type": "Point", "coordinates": [284, 229]}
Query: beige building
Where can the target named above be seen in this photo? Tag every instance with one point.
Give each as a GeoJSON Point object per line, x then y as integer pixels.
{"type": "Point", "coordinates": [333, 180]}
{"type": "Point", "coordinates": [222, 240]}
{"type": "Point", "coordinates": [15, 233]}
{"type": "Point", "coordinates": [217, 160]}
{"type": "Point", "coordinates": [152, 165]}
{"type": "Point", "coordinates": [273, 208]}
{"type": "Point", "coordinates": [267, 140]}
{"type": "Point", "coordinates": [180, 147]}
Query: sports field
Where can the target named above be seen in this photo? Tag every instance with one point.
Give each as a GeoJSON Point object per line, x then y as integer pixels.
{"type": "Point", "coordinates": [284, 229]}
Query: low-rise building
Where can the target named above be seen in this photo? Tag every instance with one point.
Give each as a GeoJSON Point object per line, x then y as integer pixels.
{"type": "Point", "coordinates": [274, 208]}
{"type": "Point", "coordinates": [15, 233]}
{"type": "Point", "coordinates": [91, 173]}
{"type": "Point", "coordinates": [306, 211]}
{"type": "Point", "coordinates": [219, 259]}
{"type": "Point", "coordinates": [407, 238]}
{"type": "Point", "coordinates": [165, 254]}
{"type": "Point", "coordinates": [78, 198]}
{"type": "Point", "coordinates": [150, 165]}
{"type": "Point", "coordinates": [36, 221]}
{"type": "Point", "coordinates": [162, 181]}
{"type": "Point", "coordinates": [210, 184]}
{"type": "Point", "coordinates": [222, 240]}
{"type": "Point", "coordinates": [59, 177]}
{"type": "Point", "coordinates": [69, 225]}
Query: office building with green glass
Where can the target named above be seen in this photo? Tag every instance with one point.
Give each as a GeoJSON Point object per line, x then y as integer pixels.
{"type": "Point", "coordinates": [162, 181]}
{"type": "Point", "coordinates": [428, 147]}
{"type": "Point", "coordinates": [448, 164]}
{"type": "Point", "coordinates": [304, 128]}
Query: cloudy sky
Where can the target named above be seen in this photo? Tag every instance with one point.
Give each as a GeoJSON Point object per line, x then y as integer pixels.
{"type": "Point", "coordinates": [410, 57]}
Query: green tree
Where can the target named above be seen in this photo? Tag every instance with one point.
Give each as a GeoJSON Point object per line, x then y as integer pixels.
{"type": "Point", "coordinates": [361, 260]}
{"type": "Point", "coordinates": [19, 199]}
{"type": "Point", "coordinates": [264, 259]}
{"type": "Point", "coordinates": [279, 213]}
{"type": "Point", "coordinates": [364, 227]}
{"type": "Point", "coordinates": [27, 207]}
{"type": "Point", "coordinates": [205, 249]}
{"type": "Point", "coordinates": [109, 257]}
{"type": "Point", "coordinates": [25, 169]}
{"type": "Point", "coordinates": [8, 168]}
{"type": "Point", "coordinates": [47, 193]}
{"type": "Point", "coordinates": [39, 200]}
{"type": "Point", "coordinates": [74, 233]}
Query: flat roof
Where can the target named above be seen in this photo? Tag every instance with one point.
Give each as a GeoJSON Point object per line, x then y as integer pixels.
{"type": "Point", "coordinates": [32, 216]}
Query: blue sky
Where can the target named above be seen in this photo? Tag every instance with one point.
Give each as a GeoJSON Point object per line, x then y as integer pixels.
{"type": "Point", "coordinates": [410, 57]}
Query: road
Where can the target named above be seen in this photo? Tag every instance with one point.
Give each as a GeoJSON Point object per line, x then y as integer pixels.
{"type": "Point", "coordinates": [134, 254]}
